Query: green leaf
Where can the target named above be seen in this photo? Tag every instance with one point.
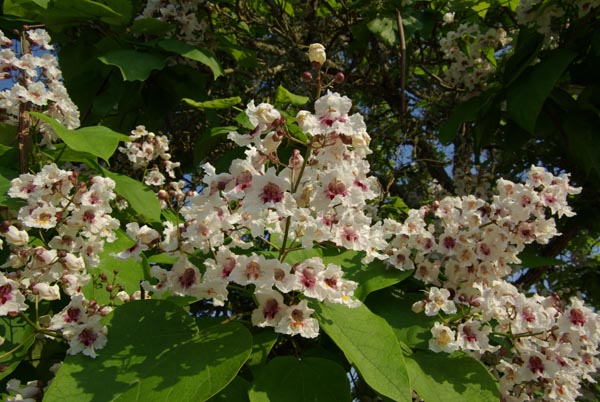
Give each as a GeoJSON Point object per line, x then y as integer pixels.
{"type": "Point", "coordinates": [23, 8]}
{"type": "Point", "coordinates": [370, 345]}
{"type": "Point", "coordinates": [385, 28]}
{"type": "Point", "coordinates": [527, 95]}
{"type": "Point", "coordinates": [528, 46]}
{"type": "Point", "coordinates": [139, 196]}
{"type": "Point", "coordinates": [98, 140]}
{"type": "Point", "coordinates": [410, 328]}
{"type": "Point", "coordinates": [456, 376]}
{"type": "Point", "coordinates": [466, 111]}
{"type": "Point", "coordinates": [130, 271]}
{"type": "Point", "coordinates": [236, 391]}
{"type": "Point", "coordinates": [481, 8]}
{"type": "Point", "coordinates": [190, 52]}
{"type": "Point", "coordinates": [370, 277]}
{"type": "Point", "coordinates": [214, 103]}
{"type": "Point", "coordinates": [531, 259]}
{"type": "Point", "coordinates": [6, 176]}
{"type": "Point", "coordinates": [263, 341]}
{"type": "Point", "coordinates": [150, 26]}
{"type": "Point", "coordinates": [284, 96]}
{"type": "Point", "coordinates": [8, 134]}
{"type": "Point", "coordinates": [18, 337]}
{"type": "Point", "coordinates": [207, 142]}
{"type": "Point", "coordinates": [134, 65]}
{"type": "Point", "coordinates": [154, 353]}
{"type": "Point", "coordinates": [288, 379]}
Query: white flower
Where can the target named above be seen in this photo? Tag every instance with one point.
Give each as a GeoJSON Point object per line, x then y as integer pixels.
{"type": "Point", "coordinates": [443, 340]}
{"type": "Point", "coordinates": [11, 299]}
{"type": "Point", "coordinates": [87, 337]}
{"type": "Point", "coordinates": [270, 308]}
{"type": "Point", "coordinates": [438, 299]}
{"type": "Point", "coordinates": [449, 18]}
{"type": "Point", "coordinates": [297, 321]}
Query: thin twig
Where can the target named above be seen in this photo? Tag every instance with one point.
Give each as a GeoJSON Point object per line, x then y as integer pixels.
{"type": "Point", "coordinates": [402, 64]}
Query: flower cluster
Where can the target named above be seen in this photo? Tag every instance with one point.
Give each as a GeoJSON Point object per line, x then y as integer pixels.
{"type": "Point", "coordinates": [149, 153]}
{"type": "Point", "coordinates": [37, 83]}
{"type": "Point", "coordinates": [544, 14]}
{"type": "Point", "coordinates": [463, 247]}
{"type": "Point", "coordinates": [73, 217]}
{"type": "Point", "coordinates": [183, 15]}
{"type": "Point", "coordinates": [468, 49]}
{"type": "Point", "coordinates": [313, 198]}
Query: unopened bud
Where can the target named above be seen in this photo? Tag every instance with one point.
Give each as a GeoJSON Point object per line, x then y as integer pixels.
{"type": "Point", "coordinates": [316, 55]}
{"type": "Point", "coordinates": [339, 77]}
{"type": "Point", "coordinates": [307, 76]}
{"type": "Point", "coordinates": [163, 195]}
{"type": "Point", "coordinates": [296, 160]}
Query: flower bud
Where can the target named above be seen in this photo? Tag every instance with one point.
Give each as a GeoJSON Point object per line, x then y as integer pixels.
{"type": "Point", "coordinates": [307, 76]}
{"type": "Point", "coordinates": [339, 77]}
{"type": "Point", "coordinates": [316, 54]}
{"type": "Point", "coordinates": [296, 160]}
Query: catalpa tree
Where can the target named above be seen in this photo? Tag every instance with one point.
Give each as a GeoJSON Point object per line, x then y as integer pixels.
{"type": "Point", "coordinates": [279, 201]}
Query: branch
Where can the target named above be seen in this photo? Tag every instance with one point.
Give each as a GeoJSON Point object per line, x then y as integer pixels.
{"type": "Point", "coordinates": [403, 64]}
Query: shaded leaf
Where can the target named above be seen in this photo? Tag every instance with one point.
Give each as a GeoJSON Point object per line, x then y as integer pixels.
{"type": "Point", "coordinates": [193, 53]}
{"type": "Point", "coordinates": [154, 353]}
{"type": "Point", "coordinates": [370, 345]}
{"type": "Point", "coordinates": [150, 26]}
{"type": "Point", "coordinates": [134, 65]}
{"type": "Point", "coordinates": [288, 379]}
{"type": "Point", "coordinates": [456, 376]}
{"type": "Point", "coordinates": [410, 328]}
{"type": "Point", "coordinates": [527, 95]}
{"type": "Point", "coordinates": [236, 391]}
{"type": "Point", "coordinates": [18, 337]}
{"type": "Point", "coordinates": [209, 141]}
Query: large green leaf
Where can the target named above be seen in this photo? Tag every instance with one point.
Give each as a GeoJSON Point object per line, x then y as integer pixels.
{"type": "Point", "coordinates": [209, 141]}
{"type": "Point", "coordinates": [263, 341]}
{"type": "Point", "coordinates": [370, 345]}
{"type": "Point", "coordinates": [456, 376]}
{"type": "Point", "coordinates": [370, 277]}
{"type": "Point", "coordinates": [527, 95]}
{"type": "Point", "coordinates": [97, 140]}
{"type": "Point", "coordinates": [466, 111]}
{"type": "Point", "coordinates": [18, 337]}
{"type": "Point", "coordinates": [150, 26]}
{"type": "Point", "coordinates": [236, 391]}
{"type": "Point", "coordinates": [139, 196]}
{"type": "Point", "coordinates": [288, 379]}
{"type": "Point", "coordinates": [410, 328]}
{"type": "Point", "coordinates": [154, 353]}
{"type": "Point", "coordinates": [134, 65]}
{"type": "Point", "coordinates": [193, 53]}
{"type": "Point", "coordinates": [129, 275]}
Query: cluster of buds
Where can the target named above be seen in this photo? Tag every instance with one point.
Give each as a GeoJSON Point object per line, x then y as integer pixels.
{"type": "Point", "coordinates": [318, 57]}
